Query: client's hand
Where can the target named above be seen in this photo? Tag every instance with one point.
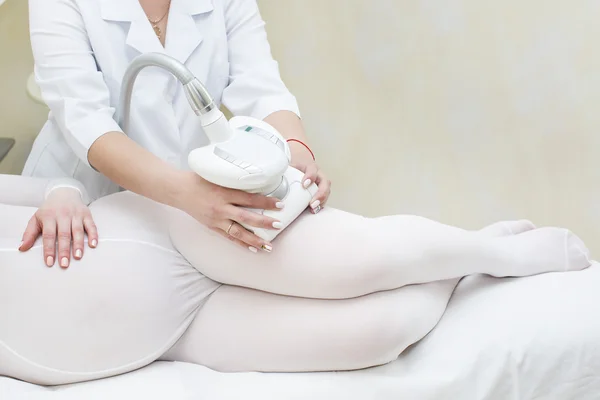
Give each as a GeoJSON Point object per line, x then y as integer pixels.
{"type": "Point", "coordinates": [221, 210]}
{"type": "Point", "coordinates": [62, 216]}
{"type": "Point", "coordinates": [303, 161]}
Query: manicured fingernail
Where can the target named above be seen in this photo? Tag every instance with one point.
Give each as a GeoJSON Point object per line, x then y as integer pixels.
{"type": "Point", "coordinates": [50, 261]}
{"type": "Point", "coordinates": [316, 210]}
{"type": "Point", "coordinates": [277, 225]}
{"type": "Point", "coordinates": [78, 253]}
{"type": "Point", "coordinates": [279, 205]}
{"type": "Point", "coordinates": [307, 183]}
{"type": "Point", "coordinates": [315, 204]}
{"type": "Point", "coordinates": [64, 262]}
{"type": "Point", "coordinates": [253, 249]}
{"type": "Point", "coordinates": [94, 243]}
{"type": "Point", "coordinates": [20, 245]}
{"type": "Point", "coordinates": [266, 247]}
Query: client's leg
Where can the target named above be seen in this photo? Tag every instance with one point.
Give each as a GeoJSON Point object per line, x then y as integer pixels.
{"type": "Point", "coordinates": [119, 308]}
{"type": "Point", "coordinates": [240, 329]}
{"type": "Point", "coordinates": [335, 254]}
{"type": "Point", "coordinates": [506, 228]}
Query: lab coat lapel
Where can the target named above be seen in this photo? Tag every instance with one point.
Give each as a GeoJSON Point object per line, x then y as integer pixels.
{"type": "Point", "coordinates": [140, 35]}
{"type": "Point", "coordinates": [183, 31]}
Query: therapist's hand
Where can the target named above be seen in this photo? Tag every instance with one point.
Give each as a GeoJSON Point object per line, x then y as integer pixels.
{"type": "Point", "coordinates": [221, 210]}
{"type": "Point", "coordinates": [303, 161]}
{"type": "Point", "coordinates": [64, 218]}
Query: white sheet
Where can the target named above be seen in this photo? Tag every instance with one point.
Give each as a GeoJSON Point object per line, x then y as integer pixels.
{"type": "Point", "coordinates": [504, 339]}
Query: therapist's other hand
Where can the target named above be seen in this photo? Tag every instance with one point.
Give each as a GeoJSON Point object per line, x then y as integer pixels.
{"type": "Point", "coordinates": [63, 218]}
{"type": "Point", "coordinates": [302, 160]}
{"type": "Point", "coordinates": [221, 210]}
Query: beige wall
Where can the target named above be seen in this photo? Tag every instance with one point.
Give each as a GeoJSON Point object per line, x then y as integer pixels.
{"type": "Point", "coordinates": [20, 117]}
{"type": "Point", "coordinates": [466, 111]}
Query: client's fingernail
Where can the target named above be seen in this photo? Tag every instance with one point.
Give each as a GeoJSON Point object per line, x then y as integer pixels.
{"type": "Point", "coordinates": [20, 245]}
{"type": "Point", "coordinates": [316, 210]}
{"type": "Point", "coordinates": [64, 262]}
{"type": "Point", "coordinates": [78, 253]}
{"type": "Point", "coordinates": [279, 205]}
{"type": "Point", "coordinates": [315, 204]}
{"type": "Point", "coordinates": [266, 247]}
{"type": "Point", "coordinates": [253, 249]}
{"type": "Point", "coordinates": [277, 225]}
{"type": "Point", "coordinates": [94, 243]}
{"type": "Point", "coordinates": [307, 183]}
{"type": "Point", "coordinates": [50, 261]}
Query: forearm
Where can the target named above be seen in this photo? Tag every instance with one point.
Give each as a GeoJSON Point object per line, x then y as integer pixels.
{"type": "Point", "coordinates": [136, 169]}
{"type": "Point", "coordinates": [16, 190]}
{"type": "Point", "coordinates": [28, 191]}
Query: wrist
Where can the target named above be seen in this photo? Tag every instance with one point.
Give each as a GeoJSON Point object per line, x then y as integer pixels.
{"type": "Point", "coordinates": [301, 155]}
{"type": "Point", "coordinates": [67, 185]}
{"type": "Point", "coordinates": [300, 151]}
{"type": "Point", "coordinates": [181, 185]}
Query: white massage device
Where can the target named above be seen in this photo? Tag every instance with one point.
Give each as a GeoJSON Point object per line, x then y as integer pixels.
{"type": "Point", "coordinates": [244, 153]}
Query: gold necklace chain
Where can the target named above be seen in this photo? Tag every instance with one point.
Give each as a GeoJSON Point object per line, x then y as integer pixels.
{"type": "Point", "coordinates": [155, 23]}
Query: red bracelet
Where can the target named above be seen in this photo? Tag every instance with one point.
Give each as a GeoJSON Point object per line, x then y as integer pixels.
{"type": "Point", "coordinates": [303, 144]}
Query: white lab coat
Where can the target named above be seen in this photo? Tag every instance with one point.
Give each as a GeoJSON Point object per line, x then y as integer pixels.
{"type": "Point", "coordinates": [81, 49]}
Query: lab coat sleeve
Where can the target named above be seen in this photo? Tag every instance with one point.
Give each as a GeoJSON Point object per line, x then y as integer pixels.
{"type": "Point", "coordinates": [255, 86]}
{"type": "Point", "coordinates": [67, 74]}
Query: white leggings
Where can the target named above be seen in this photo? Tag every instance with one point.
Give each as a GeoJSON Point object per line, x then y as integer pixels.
{"type": "Point", "coordinates": [339, 291]}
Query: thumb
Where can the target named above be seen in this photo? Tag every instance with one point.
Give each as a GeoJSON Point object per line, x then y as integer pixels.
{"type": "Point", "coordinates": [310, 175]}
{"type": "Point", "coordinates": [32, 232]}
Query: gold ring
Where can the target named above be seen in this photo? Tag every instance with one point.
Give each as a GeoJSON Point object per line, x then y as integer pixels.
{"type": "Point", "coordinates": [230, 226]}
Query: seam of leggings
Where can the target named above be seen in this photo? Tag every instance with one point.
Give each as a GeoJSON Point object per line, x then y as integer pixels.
{"type": "Point", "coordinates": [109, 240]}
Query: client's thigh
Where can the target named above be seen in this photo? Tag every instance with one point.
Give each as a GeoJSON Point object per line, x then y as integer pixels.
{"type": "Point", "coordinates": [240, 329]}
{"type": "Point", "coordinates": [119, 308]}
{"type": "Point", "coordinates": [336, 254]}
